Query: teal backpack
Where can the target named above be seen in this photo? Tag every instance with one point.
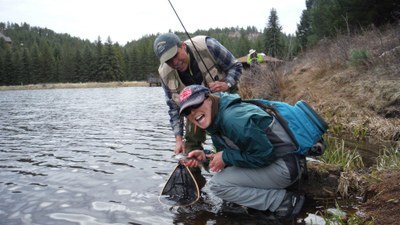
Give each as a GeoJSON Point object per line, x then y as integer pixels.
{"type": "Point", "coordinates": [301, 122]}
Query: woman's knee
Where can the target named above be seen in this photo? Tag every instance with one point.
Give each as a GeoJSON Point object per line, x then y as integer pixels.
{"type": "Point", "coordinates": [216, 187]}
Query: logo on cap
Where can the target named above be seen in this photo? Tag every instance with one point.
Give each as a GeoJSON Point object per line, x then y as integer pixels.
{"type": "Point", "coordinates": [161, 47]}
{"type": "Point", "coordinates": [185, 94]}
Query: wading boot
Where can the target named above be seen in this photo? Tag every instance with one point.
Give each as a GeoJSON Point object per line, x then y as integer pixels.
{"type": "Point", "coordinates": [291, 206]}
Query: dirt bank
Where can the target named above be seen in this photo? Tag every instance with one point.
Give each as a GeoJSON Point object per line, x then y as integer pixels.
{"type": "Point", "coordinates": [359, 100]}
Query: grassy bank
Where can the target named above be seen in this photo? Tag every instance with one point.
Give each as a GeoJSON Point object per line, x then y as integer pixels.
{"type": "Point", "coordinates": [76, 85]}
{"type": "Point", "coordinates": [353, 82]}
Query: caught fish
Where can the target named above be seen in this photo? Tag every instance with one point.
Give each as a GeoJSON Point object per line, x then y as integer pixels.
{"type": "Point", "coordinates": [183, 157]}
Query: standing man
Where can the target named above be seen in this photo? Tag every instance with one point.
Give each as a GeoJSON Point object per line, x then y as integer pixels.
{"type": "Point", "coordinates": [201, 60]}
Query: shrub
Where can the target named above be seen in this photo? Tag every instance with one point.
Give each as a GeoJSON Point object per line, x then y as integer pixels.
{"type": "Point", "coordinates": [359, 58]}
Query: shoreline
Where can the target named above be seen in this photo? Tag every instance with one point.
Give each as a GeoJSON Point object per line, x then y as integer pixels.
{"type": "Point", "coordinates": [75, 85]}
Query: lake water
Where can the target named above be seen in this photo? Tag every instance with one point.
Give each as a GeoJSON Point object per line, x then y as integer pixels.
{"type": "Point", "coordinates": [92, 157]}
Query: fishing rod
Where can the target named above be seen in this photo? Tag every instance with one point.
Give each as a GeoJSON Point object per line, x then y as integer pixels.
{"type": "Point", "coordinates": [195, 48]}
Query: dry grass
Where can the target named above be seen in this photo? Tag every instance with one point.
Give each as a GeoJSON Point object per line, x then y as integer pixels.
{"type": "Point", "coordinates": [353, 81]}
{"type": "Point", "coordinates": [266, 82]}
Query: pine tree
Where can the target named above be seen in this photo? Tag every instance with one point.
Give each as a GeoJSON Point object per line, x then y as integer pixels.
{"type": "Point", "coordinates": [111, 65]}
{"type": "Point", "coordinates": [26, 67]}
{"type": "Point", "coordinates": [35, 70]}
{"type": "Point", "coordinates": [303, 29]}
{"type": "Point", "coordinates": [8, 68]}
{"type": "Point", "coordinates": [87, 65]}
{"type": "Point", "coordinates": [272, 35]}
{"type": "Point", "coordinates": [47, 65]}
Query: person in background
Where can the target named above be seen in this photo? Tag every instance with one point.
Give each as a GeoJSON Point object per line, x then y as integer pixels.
{"type": "Point", "coordinates": [254, 161]}
{"type": "Point", "coordinates": [200, 60]}
{"type": "Point", "coordinates": [254, 58]}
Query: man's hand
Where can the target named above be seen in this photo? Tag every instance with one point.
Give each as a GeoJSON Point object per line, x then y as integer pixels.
{"type": "Point", "coordinates": [179, 146]}
{"type": "Point", "coordinates": [218, 86]}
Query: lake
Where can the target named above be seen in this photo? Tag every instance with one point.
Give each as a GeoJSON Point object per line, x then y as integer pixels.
{"type": "Point", "coordinates": [94, 156]}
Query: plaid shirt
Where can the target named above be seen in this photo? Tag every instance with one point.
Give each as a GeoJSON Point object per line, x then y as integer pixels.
{"type": "Point", "coordinates": [225, 60]}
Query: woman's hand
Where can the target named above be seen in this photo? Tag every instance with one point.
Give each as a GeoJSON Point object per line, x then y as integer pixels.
{"type": "Point", "coordinates": [195, 158]}
{"type": "Point", "coordinates": [217, 164]}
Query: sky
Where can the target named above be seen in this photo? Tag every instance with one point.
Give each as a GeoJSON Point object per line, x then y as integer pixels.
{"type": "Point", "coordinates": [128, 20]}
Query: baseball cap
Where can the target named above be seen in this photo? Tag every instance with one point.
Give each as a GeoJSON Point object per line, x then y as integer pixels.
{"type": "Point", "coordinates": [166, 46]}
{"type": "Point", "coordinates": [192, 95]}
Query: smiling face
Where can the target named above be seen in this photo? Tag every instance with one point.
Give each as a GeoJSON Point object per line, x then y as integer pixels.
{"type": "Point", "coordinates": [201, 116]}
{"type": "Point", "coordinates": [180, 61]}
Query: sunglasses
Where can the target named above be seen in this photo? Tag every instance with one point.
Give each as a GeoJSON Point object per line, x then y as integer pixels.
{"type": "Point", "coordinates": [189, 109]}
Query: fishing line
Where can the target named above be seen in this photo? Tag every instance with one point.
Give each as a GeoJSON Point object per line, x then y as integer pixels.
{"type": "Point", "coordinates": [195, 48]}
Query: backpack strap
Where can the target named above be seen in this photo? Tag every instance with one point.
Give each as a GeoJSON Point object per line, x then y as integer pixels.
{"type": "Point", "coordinates": [301, 162]}
{"type": "Point", "coordinates": [278, 116]}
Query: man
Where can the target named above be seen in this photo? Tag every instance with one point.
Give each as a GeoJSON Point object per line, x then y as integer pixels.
{"type": "Point", "coordinates": [201, 60]}
{"type": "Point", "coordinates": [255, 160]}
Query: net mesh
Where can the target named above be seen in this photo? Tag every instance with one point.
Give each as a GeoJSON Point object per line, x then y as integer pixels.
{"type": "Point", "coordinates": [181, 188]}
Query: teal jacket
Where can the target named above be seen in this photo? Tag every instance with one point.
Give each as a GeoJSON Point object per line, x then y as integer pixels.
{"type": "Point", "coordinates": [239, 130]}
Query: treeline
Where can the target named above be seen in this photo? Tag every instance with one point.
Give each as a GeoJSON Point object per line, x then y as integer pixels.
{"type": "Point", "coordinates": [329, 18]}
{"type": "Point", "coordinates": [39, 55]}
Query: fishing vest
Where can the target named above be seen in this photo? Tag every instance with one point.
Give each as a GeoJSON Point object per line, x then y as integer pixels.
{"type": "Point", "coordinates": [170, 76]}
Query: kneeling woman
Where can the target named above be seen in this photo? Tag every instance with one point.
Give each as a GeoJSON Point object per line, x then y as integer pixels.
{"type": "Point", "coordinates": [254, 162]}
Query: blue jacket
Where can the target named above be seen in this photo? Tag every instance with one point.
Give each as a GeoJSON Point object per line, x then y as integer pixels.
{"type": "Point", "coordinates": [239, 130]}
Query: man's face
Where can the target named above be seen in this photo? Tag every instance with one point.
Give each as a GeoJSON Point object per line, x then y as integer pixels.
{"type": "Point", "coordinates": [180, 61]}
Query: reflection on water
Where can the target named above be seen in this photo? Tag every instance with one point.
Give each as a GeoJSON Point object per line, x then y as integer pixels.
{"type": "Point", "coordinates": [93, 156]}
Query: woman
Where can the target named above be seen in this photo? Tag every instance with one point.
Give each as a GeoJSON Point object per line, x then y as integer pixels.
{"type": "Point", "coordinates": [254, 162]}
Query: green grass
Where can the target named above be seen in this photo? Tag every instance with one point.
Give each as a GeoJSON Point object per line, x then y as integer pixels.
{"type": "Point", "coordinates": [389, 158]}
{"type": "Point", "coordinates": [339, 217]}
{"type": "Point", "coordinates": [336, 153]}
{"type": "Point", "coordinates": [359, 58]}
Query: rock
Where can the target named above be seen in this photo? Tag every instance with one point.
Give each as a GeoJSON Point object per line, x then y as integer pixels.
{"type": "Point", "coordinates": [313, 219]}
{"type": "Point", "coordinates": [321, 182]}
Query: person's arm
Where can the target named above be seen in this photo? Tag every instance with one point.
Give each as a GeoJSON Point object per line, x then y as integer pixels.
{"type": "Point", "coordinates": [249, 59]}
{"type": "Point", "coordinates": [175, 120]}
{"type": "Point", "coordinates": [247, 131]}
{"type": "Point", "coordinates": [179, 146]}
{"type": "Point", "coordinates": [260, 58]}
{"type": "Point", "coordinates": [225, 60]}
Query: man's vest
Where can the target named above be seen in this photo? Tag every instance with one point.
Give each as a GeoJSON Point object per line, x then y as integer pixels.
{"type": "Point", "coordinates": [170, 76]}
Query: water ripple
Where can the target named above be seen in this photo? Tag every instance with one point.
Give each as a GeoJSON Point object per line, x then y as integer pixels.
{"type": "Point", "coordinates": [84, 156]}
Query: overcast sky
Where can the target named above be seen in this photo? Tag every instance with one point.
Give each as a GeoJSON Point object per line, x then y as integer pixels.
{"type": "Point", "coordinates": [127, 20]}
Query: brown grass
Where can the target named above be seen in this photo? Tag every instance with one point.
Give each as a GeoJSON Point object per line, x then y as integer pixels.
{"type": "Point", "coordinates": [266, 82]}
{"type": "Point", "coordinates": [350, 97]}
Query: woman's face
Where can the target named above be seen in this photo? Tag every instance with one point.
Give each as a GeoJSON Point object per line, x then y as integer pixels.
{"type": "Point", "coordinates": [180, 61]}
{"type": "Point", "coordinates": [201, 116]}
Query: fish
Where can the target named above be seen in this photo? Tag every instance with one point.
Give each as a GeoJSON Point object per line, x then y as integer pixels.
{"type": "Point", "coordinates": [184, 157]}
{"type": "Point", "coordinates": [181, 157]}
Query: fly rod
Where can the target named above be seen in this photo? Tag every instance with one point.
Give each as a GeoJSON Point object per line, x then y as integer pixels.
{"type": "Point", "coordinates": [195, 48]}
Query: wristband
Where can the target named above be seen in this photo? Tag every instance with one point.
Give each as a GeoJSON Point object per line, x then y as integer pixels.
{"type": "Point", "coordinates": [207, 152]}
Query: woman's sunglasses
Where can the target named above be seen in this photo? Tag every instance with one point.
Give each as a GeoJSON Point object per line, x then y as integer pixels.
{"type": "Point", "coordinates": [189, 109]}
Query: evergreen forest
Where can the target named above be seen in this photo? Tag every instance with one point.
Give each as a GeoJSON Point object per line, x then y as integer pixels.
{"type": "Point", "coordinates": [39, 55]}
